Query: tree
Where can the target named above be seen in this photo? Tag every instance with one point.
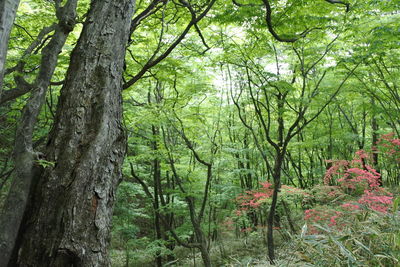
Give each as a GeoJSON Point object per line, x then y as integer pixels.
{"type": "Point", "coordinates": [86, 146]}
{"type": "Point", "coordinates": [24, 156]}
{"type": "Point", "coordinates": [283, 104]}
{"type": "Point", "coordinates": [68, 221]}
{"type": "Point", "coordinates": [286, 77]}
{"type": "Point", "coordinates": [181, 178]}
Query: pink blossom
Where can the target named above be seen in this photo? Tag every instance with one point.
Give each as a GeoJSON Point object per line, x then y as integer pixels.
{"type": "Point", "coordinates": [246, 230]}
{"type": "Point", "coordinates": [337, 165]}
{"type": "Point", "coordinates": [350, 206]}
{"type": "Point", "coordinates": [333, 220]}
{"type": "Point", "coordinates": [376, 202]}
{"type": "Point", "coordinates": [265, 185]}
{"type": "Point", "coordinates": [396, 142]}
{"type": "Point", "coordinates": [260, 195]}
{"type": "Point", "coordinates": [361, 154]}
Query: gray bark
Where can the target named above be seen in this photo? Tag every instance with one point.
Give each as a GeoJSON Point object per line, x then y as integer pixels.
{"type": "Point", "coordinates": [68, 223]}
{"type": "Point", "coordinates": [8, 10]}
{"type": "Point", "coordinates": [24, 155]}
{"type": "Point", "coordinates": [8, 95]}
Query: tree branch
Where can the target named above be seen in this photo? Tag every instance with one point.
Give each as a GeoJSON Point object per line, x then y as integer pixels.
{"type": "Point", "coordinates": [271, 29]}
{"type": "Point", "coordinates": [236, 3]}
{"type": "Point", "coordinates": [143, 184]}
{"type": "Point", "coordinates": [22, 88]}
{"type": "Point", "coordinates": [151, 9]}
{"type": "Point", "coordinates": [152, 63]}
{"type": "Point", "coordinates": [298, 36]}
{"type": "Point", "coordinates": [341, 3]}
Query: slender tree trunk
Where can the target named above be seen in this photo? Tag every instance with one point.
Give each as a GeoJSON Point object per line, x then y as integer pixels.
{"type": "Point", "coordinates": [200, 237]}
{"type": "Point", "coordinates": [280, 152]}
{"type": "Point", "coordinates": [8, 10]}
{"type": "Point", "coordinates": [271, 214]}
{"type": "Point", "coordinates": [156, 183]}
{"type": "Point", "coordinates": [24, 155]}
{"type": "Point", "coordinates": [289, 218]}
{"type": "Point", "coordinates": [375, 155]}
{"type": "Point", "coordinates": [69, 221]}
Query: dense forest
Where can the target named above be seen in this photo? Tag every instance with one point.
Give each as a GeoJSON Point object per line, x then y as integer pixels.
{"type": "Point", "coordinates": [199, 133]}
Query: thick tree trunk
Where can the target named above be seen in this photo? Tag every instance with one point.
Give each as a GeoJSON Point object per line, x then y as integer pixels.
{"type": "Point", "coordinates": [24, 156]}
{"type": "Point", "coordinates": [70, 218]}
{"type": "Point", "coordinates": [8, 10]}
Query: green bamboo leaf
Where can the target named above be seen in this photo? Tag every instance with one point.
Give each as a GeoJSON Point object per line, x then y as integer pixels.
{"type": "Point", "coordinates": [396, 203]}
{"type": "Point", "coordinates": [344, 250]}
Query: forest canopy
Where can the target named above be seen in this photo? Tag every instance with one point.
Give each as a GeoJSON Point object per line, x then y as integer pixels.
{"type": "Point", "coordinates": [199, 133]}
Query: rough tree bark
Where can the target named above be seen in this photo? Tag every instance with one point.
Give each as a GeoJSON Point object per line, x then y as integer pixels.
{"type": "Point", "coordinates": [69, 221]}
{"type": "Point", "coordinates": [8, 10]}
{"type": "Point", "coordinates": [24, 155]}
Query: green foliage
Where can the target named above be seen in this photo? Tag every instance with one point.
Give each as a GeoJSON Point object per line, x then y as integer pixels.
{"type": "Point", "coordinates": [368, 240]}
{"type": "Point", "coordinates": [45, 163]}
{"type": "Point", "coordinates": [193, 90]}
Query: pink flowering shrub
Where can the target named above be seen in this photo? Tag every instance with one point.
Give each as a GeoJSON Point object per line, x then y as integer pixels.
{"type": "Point", "coordinates": [378, 200]}
{"type": "Point", "coordinates": [294, 191]}
{"type": "Point", "coordinates": [337, 169]}
{"type": "Point", "coordinates": [357, 179]}
{"type": "Point", "coordinates": [249, 203]}
{"type": "Point", "coordinates": [253, 202]}
{"type": "Point", "coordinates": [350, 187]}
{"type": "Point", "coordinates": [350, 206]}
{"type": "Point", "coordinates": [228, 224]}
{"type": "Point", "coordinates": [324, 194]}
{"type": "Point", "coordinates": [390, 146]}
{"type": "Point", "coordinates": [354, 176]}
{"type": "Point", "coordinates": [254, 198]}
{"type": "Point", "coordinates": [294, 196]}
{"type": "Point", "coordinates": [322, 214]}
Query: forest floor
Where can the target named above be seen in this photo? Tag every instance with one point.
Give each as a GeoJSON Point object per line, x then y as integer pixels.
{"type": "Point", "coordinates": [247, 250]}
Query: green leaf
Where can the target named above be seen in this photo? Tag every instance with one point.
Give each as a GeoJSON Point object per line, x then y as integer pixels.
{"type": "Point", "coordinates": [396, 203]}
{"type": "Point", "coordinates": [45, 163]}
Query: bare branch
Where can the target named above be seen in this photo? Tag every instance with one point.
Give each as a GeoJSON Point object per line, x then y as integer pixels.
{"type": "Point", "coordinates": [292, 133]}
{"type": "Point", "coordinates": [203, 40]}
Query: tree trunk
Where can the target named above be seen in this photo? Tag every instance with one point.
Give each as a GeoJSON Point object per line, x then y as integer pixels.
{"type": "Point", "coordinates": [156, 183]}
{"type": "Point", "coordinates": [69, 221]}
{"type": "Point", "coordinates": [8, 10]}
{"type": "Point", "coordinates": [271, 215]}
{"type": "Point", "coordinates": [24, 156]}
{"type": "Point", "coordinates": [375, 139]}
{"type": "Point", "coordinates": [200, 237]}
{"type": "Point", "coordinates": [280, 153]}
